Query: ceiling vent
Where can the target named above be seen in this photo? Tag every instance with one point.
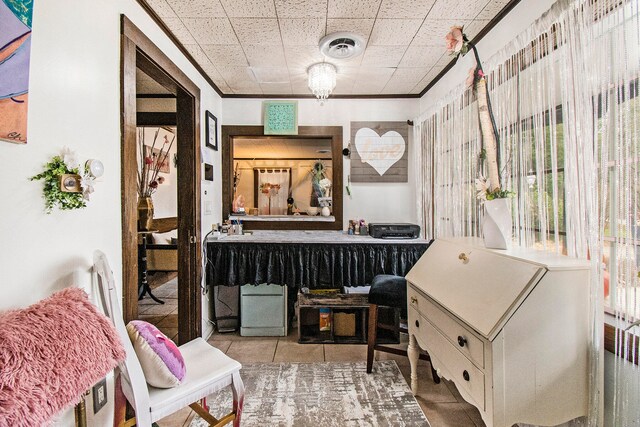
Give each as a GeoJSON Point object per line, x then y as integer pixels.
{"type": "Point", "coordinates": [342, 45]}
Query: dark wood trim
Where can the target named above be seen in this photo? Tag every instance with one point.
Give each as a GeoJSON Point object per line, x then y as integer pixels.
{"type": "Point", "coordinates": [137, 51]}
{"type": "Point", "coordinates": [129, 166]}
{"type": "Point", "coordinates": [189, 229]}
{"type": "Point", "coordinates": [156, 119]}
{"type": "Point", "coordinates": [155, 95]}
{"type": "Point", "coordinates": [496, 19]}
{"type": "Point", "coordinates": [332, 132]}
{"type": "Point", "coordinates": [152, 14]}
{"type": "Point", "coordinates": [610, 343]}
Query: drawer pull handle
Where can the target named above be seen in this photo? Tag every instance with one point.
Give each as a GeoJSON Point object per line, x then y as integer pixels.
{"type": "Point", "coordinates": [463, 257]}
{"type": "Point", "coordinates": [461, 340]}
{"type": "Point", "coordinates": [414, 300]}
{"type": "Point", "coordinates": [465, 375]}
{"type": "Point", "coordinates": [417, 324]}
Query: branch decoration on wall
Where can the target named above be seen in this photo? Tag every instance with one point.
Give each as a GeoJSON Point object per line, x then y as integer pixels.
{"type": "Point", "coordinates": [67, 184]}
{"type": "Point", "coordinates": [380, 153]}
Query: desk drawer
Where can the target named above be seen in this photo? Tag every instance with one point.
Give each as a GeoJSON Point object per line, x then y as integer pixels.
{"type": "Point", "coordinates": [463, 372]}
{"type": "Point", "coordinates": [472, 346]}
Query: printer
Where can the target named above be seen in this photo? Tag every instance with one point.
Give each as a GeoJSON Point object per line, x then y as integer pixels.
{"type": "Point", "coordinates": [394, 231]}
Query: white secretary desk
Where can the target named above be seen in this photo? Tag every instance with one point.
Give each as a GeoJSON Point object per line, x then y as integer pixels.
{"type": "Point", "coordinates": [509, 327]}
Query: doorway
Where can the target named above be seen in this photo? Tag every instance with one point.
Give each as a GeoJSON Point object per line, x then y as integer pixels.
{"type": "Point", "coordinates": [139, 54]}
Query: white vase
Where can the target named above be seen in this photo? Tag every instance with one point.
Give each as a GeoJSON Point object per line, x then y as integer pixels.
{"type": "Point", "coordinates": [497, 224]}
{"type": "Point", "coordinates": [326, 211]}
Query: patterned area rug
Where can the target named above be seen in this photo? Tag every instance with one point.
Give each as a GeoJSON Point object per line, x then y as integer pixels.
{"type": "Point", "coordinates": [322, 394]}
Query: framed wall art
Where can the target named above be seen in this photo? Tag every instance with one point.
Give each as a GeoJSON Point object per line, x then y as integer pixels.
{"type": "Point", "coordinates": [379, 151]}
{"type": "Point", "coordinates": [211, 126]}
{"type": "Point", "coordinates": [280, 117]}
{"type": "Point", "coordinates": [15, 55]}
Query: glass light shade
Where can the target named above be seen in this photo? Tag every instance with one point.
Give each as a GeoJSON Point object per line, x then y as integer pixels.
{"type": "Point", "coordinates": [96, 168]}
{"type": "Point", "coordinates": [322, 79]}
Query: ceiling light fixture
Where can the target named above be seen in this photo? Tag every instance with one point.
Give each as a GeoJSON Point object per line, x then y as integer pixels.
{"type": "Point", "coordinates": [322, 80]}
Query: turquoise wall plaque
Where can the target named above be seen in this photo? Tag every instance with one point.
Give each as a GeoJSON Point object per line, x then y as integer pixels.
{"type": "Point", "coordinates": [280, 117]}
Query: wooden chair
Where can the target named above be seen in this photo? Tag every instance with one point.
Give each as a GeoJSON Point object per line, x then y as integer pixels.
{"type": "Point", "coordinates": [208, 369]}
{"type": "Point", "coordinates": [388, 291]}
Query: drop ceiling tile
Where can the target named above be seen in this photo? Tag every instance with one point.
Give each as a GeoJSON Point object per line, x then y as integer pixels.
{"type": "Point", "coordinates": [371, 88]}
{"type": "Point", "coordinates": [395, 9]}
{"type": "Point", "coordinates": [394, 32]}
{"type": "Point", "coordinates": [300, 88]}
{"type": "Point", "coordinates": [162, 8]}
{"type": "Point", "coordinates": [422, 84]}
{"type": "Point", "coordinates": [261, 31]}
{"type": "Point", "coordinates": [361, 27]}
{"type": "Point", "coordinates": [410, 74]}
{"type": "Point", "coordinates": [377, 76]}
{"type": "Point", "coordinates": [383, 56]}
{"type": "Point", "coordinates": [225, 54]}
{"type": "Point", "coordinates": [396, 87]}
{"type": "Point", "coordinates": [353, 8]}
{"type": "Point", "coordinates": [446, 9]}
{"type": "Point", "coordinates": [213, 73]}
{"type": "Point", "coordinates": [246, 88]}
{"type": "Point", "coordinates": [196, 52]}
{"type": "Point", "coordinates": [237, 75]}
{"type": "Point", "coordinates": [421, 56]}
{"type": "Point", "coordinates": [345, 84]}
{"type": "Point", "coordinates": [433, 31]}
{"type": "Point", "coordinates": [301, 57]}
{"type": "Point", "coordinates": [271, 74]}
{"type": "Point", "coordinates": [265, 56]}
{"type": "Point", "coordinates": [197, 8]}
{"type": "Point", "coordinates": [211, 30]}
{"type": "Point", "coordinates": [301, 8]}
{"type": "Point", "coordinates": [249, 8]}
{"type": "Point", "coordinates": [302, 31]}
{"type": "Point", "coordinates": [474, 27]}
{"type": "Point", "coordinates": [492, 9]}
{"type": "Point", "coordinates": [179, 30]}
{"type": "Point", "coordinates": [276, 88]}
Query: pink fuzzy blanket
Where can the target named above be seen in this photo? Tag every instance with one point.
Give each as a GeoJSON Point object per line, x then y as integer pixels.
{"type": "Point", "coordinates": [50, 353]}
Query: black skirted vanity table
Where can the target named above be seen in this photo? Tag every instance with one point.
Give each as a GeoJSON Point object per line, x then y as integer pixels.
{"type": "Point", "coordinates": [281, 185]}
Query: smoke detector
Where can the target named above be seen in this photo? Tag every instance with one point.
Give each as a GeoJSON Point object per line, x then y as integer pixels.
{"type": "Point", "coordinates": [342, 45]}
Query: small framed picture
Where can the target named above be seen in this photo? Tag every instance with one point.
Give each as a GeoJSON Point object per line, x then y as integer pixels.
{"type": "Point", "coordinates": [211, 125]}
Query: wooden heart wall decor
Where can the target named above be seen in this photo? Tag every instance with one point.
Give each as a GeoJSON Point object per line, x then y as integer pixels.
{"type": "Point", "coordinates": [379, 151]}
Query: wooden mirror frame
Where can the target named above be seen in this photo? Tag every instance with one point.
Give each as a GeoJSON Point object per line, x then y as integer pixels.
{"type": "Point", "coordinates": [328, 132]}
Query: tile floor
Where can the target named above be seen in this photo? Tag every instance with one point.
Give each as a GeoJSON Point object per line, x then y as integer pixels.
{"type": "Point", "coordinates": [441, 403]}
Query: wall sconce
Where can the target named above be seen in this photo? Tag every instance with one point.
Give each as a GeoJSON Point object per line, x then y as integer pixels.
{"type": "Point", "coordinates": [95, 167]}
{"type": "Point", "coordinates": [72, 183]}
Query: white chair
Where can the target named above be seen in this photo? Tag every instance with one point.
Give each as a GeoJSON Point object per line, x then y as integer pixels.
{"type": "Point", "coordinates": [208, 369]}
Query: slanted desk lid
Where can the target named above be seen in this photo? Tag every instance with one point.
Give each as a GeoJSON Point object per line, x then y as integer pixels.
{"type": "Point", "coordinates": [482, 291]}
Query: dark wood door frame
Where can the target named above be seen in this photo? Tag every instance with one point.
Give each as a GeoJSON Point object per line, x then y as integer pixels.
{"type": "Point", "coordinates": [327, 132]}
{"type": "Point", "coordinates": [137, 51]}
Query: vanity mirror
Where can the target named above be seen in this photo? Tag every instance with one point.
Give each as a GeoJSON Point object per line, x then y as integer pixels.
{"type": "Point", "coordinates": [283, 182]}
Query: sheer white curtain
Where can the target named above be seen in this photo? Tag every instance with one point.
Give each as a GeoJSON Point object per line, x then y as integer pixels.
{"type": "Point", "coordinates": [565, 99]}
{"type": "Point", "coordinates": [276, 198]}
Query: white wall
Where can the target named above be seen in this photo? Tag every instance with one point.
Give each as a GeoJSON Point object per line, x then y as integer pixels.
{"type": "Point", "coordinates": [375, 202]}
{"type": "Point", "coordinates": [74, 100]}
